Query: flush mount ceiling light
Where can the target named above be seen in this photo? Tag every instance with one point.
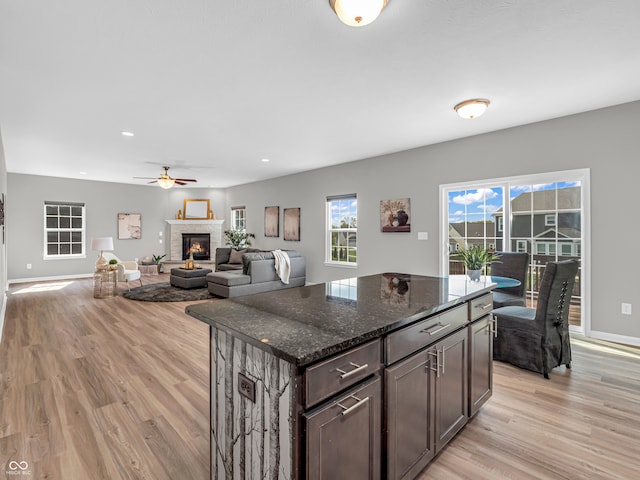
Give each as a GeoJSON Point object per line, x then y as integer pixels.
{"type": "Point", "coordinates": [358, 13]}
{"type": "Point", "coordinates": [472, 108]}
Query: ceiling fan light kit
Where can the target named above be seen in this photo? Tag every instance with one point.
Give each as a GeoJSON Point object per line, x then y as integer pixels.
{"type": "Point", "coordinates": [473, 108]}
{"type": "Point", "coordinates": [357, 13]}
{"type": "Point", "coordinates": [166, 181]}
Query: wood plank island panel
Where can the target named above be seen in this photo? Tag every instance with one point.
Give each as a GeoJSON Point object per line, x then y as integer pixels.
{"type": "Point", "coordinates": [250, 439]}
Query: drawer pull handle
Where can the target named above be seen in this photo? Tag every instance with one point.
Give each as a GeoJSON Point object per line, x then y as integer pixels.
{"type": "Point", "coordinates": [358, 369]}
{"type": "Point", "coordinates": [485, 306]}
{"type": "Point", "coordinates": [437, 330]}
{"type": "Point", "coordinates": [348, 410]}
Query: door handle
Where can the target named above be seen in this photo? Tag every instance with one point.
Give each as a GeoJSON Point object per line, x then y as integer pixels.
{"type": "Point", "coordinates": [357, 369]}
{"type": "Point", "coordinates": [348, 410]}
{"type": "Point", "coordinates": [433, 332]}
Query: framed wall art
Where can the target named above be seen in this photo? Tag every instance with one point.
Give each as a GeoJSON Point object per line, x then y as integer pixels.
{"type": "Point", "coordinates": [129, 226]}
{"type": "Point", "coordinates": [271, 221]}
{"type": "Point", "coordinates": [395, 215]}
{"type": "Point", "coordinates": [291, 220]}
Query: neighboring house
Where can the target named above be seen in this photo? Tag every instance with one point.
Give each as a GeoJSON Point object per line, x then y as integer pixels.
{"type": "Point", "coordinates": [475, 233]}
{"type": "Point", "coordinates": [542, 228]}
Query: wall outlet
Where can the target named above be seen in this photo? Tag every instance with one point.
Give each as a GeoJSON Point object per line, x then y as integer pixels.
{"type": "Point", "coordinates": [28, 266]}
{"type": "Point", "coordinates": [423, 236]}
{"type": "Point", "coordinates": [160, 241]}
{"type": "Point", "coordinates": [626, 309]}
{"type": "Point", "coordinates": [246, 387]}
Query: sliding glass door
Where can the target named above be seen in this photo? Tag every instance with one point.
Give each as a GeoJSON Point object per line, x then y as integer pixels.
{"type": "Point", "coordinates": [545, 215]}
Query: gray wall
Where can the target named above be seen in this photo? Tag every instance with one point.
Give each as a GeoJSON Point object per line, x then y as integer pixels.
{"type": "Point", "coordinates": [3, 254]}
{"type": "Point", "coordinates": [606, 141]}
{"type": "Point", "coordinates": [103, 200]}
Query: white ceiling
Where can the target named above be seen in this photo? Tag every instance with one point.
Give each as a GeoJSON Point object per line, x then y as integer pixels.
{"type": "Point", "coordinates": [211, 87]}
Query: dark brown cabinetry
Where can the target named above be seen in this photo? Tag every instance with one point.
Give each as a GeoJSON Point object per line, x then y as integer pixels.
{"type": "Point", "coordinates": [344, 435]}
{"type": "Point", "coordinates": [409, 416]}
{"type": "Point", "coordinates": [481, 363]}
{"type": "Point", "coordinates": [451, 387]}
{"type": "Point", "coordinates": [480, 352]}
{"type": "Point", "coordinates": [426, 404]}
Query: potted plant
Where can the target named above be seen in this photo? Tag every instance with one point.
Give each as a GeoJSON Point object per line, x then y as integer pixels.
{"type": "Point", "coordinates": [238, 239]}
{"type": "Point", "coordinates": [475, 258]}
{"type": "Point", "coordinates": [112, 264]}
{"type": "Point", "coordinates": [157, 259]}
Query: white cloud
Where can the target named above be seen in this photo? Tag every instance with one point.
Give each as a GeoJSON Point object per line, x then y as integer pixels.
{"type": "Point", "coordinates": [473, 197]}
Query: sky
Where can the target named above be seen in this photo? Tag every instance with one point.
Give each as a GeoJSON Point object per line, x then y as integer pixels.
{"type": "Point", "coordinates": [479, 204]}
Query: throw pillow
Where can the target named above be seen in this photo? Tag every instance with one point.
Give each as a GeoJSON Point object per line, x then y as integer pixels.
{"type": "Point", "coordinates": [236, 256]}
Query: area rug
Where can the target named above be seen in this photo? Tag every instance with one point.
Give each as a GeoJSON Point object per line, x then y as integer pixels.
{"type": "Point", "coordinates": [164, 292]}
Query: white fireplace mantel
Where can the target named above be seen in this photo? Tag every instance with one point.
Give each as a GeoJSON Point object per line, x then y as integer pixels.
{"type": "Point", "coordinates": [195, 222]}
{"type": "Point", "coordinates": [178, 227]}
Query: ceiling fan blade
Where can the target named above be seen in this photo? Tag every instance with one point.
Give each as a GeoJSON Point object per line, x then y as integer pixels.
{"type": "Point", "coordinates": [146, 178]}
{"type": "Point", "coordinates": [186, 179]}
{"type": "Point", "coordinates": [178, 182]}
{"type": "Point", "coordinates": [155, 181]}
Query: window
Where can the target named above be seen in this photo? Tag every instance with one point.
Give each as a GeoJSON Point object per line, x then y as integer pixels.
{"type": "Point", "coordinates": [550, 220]}
{"type": "Point", "coordinates": [64, 233]}
{"type": "Point", "coordinates": [342, 230]}
{"type": "Point", "coordinates": [239, 218]}
{"type": "Point", "coordinates": [543, 214]}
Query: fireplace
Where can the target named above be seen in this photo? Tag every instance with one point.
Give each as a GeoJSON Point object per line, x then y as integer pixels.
{"type": "Point", "coordinates": [196, 244]}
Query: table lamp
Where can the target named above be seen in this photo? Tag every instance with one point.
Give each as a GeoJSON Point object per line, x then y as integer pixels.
{"type": "Point", "coordinates": [102, 244]}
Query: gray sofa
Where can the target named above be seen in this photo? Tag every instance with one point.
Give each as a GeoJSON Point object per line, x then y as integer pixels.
{"type": "Point", "coordinates": [223, 255]}
{"type": "Point", "coordinates": [258, 275]}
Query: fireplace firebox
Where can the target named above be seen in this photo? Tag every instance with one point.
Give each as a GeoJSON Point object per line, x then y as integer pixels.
{"type": "Point", "coordinates": [196, 244]}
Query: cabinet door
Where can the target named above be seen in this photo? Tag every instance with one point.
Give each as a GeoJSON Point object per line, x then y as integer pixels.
{"type": "Point", "coordinates": [409, 420]}
{"type": "Point", "coordinates": [451, 390]}
{"type": "Point", "coordinates": [480, 363]}
{"type": "Point", "coordinates": [343, 436]}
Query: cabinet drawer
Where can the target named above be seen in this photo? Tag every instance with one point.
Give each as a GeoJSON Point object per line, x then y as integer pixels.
{"type": "Point", "coordinates": [480, 306]}
{"type": "Point", "coordinates": [411, 339]}
{"type": "Point", "coordinates": [337, 373]}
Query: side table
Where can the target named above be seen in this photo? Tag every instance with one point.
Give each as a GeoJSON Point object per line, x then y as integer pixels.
{"type": "Point", "coordinates": [148, 269]}
{"type": "Point", "coordinates": [104, 283]}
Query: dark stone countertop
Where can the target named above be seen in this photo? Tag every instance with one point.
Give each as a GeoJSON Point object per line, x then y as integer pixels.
{"type": "Point", "coordinates": [305, 324]}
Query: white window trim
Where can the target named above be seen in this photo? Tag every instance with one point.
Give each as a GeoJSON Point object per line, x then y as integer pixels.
{"type": "Point", "coordinates": [327, 255]}
{"type": "Point", "coordinates": [550, 220]}
{"type": "Point", "coordinates": [82, 231]}
{"type": "Point", "coordinates": [583, 175]}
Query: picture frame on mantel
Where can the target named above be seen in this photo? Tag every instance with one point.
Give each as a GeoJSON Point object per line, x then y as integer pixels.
{"type": "Point", "coordinates": [271, 221]}
{"type": "Point", "coordinates": [196, 209]}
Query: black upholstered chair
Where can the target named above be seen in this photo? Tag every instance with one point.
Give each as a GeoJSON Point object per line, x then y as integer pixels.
{"type": "Point", "coordinates": [511, 265]}
{"type": "Point", "coordinates": [538, 339]}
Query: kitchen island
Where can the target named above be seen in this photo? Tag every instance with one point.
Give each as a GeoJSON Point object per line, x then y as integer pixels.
{"type": "Point", "coordinates": [332, 380]}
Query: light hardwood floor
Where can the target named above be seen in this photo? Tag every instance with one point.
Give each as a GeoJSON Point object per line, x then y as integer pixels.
{"type": "Point", "coordinates": [118, 389]}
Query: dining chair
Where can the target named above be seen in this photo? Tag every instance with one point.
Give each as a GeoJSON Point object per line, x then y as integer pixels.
{"type": "Point", "coordinates": [512, 265]}
{"type": "Point", "coordinates": [538, 339]}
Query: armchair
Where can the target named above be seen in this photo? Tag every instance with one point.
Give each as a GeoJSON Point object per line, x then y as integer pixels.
{"type": "Point", "coordinates": [127, 270]}
{"type": "Point", "coordinates": [538, 339]}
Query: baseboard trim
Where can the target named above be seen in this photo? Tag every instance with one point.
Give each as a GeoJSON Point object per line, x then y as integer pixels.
{"type": "Point", "coordinates": [612, 337]}
{"type": "Point", "coordinates": [48, 279]}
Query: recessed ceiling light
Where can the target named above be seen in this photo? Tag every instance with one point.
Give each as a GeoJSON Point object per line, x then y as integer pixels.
{"type": "Point", "coordinates": [83, 173]}
{"type": "Point", "coordinates": [265, 160]}
{"type": "Point", "coordinates": [127, 134]}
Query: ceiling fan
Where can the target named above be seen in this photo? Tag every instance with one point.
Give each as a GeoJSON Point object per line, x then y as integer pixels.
{"type": "Point", "coordinates": [166, 181]}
